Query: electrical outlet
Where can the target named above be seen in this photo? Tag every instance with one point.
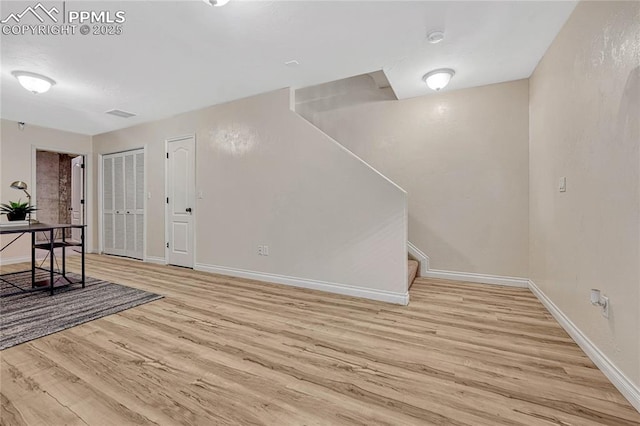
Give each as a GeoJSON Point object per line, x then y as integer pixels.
{"type": "Point", "coordinates": [605, 306]}
{"type": "Point", "coordinates": [260, 251]}
{"type": "Point", "coordinates": [265, 250]}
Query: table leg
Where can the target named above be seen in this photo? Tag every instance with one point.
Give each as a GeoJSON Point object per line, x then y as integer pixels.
{"type": "Point", "coordinates": [64, 251]}
{"type": "Point", "coordinates": [51, 261]}
{"type": "Point", "coordinates": [33, 259]}
{"type": "Point", "coordinates": [82, 260]}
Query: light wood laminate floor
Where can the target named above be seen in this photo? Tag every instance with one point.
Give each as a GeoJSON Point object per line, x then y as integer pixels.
{"type": "Point", "coordinates": [219, 350]}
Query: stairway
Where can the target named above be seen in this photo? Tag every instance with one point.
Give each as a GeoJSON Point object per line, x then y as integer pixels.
{"type": "Point", "coordinates": [412, 271]}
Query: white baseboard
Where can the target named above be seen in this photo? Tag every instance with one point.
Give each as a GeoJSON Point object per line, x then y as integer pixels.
{"type": "Point", "coordinates": [626, 387]}
{"type": "Point", "coordinates": [153, 259]}
{"type": "Point", "coordinates": [422, 258]}
{"type": "Point", "coordinates": [427, 272]}
{"type": "Point", "coordinates": [477, 278]}
{"type": "Point", "coordinates": [12, 260]}
{"type": "Point", "coordinates": [380, 295]}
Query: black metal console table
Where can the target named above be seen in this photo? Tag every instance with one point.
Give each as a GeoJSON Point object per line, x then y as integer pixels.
{"type": "Point", "coordinates": [50, 246]}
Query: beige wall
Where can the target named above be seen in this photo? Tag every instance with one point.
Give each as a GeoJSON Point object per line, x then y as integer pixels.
{"type": "Point", "coordinates": [17, 149]}
{"type": "Point", "coordinates": [462, 156]}
{"type": "Point", "coordinates": [269, 177]}
{"type": "Point", "coordinates": [585, 96]}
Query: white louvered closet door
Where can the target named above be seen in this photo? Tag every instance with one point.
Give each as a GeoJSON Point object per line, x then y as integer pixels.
{"type": "Point", "coordinates": [107, 205]}
{"type": "Point", "coordinates": [139, 204]}
{"type": "Point", "coordinates": [123, 204]}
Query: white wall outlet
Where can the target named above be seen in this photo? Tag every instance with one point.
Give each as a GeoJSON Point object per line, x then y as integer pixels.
{"type": "Point", "coordinates": [260, 250]}
{"type": "Point", "coordinates": [605, 306]}
{"type": "Point", "coordinates": [562, 185]}
{"type": "Point", "coordinates": [265, 250]}
{"type": "Point", "coordinates": [149, 195]}
{"type": "Point", "coordinates": [200, 195]}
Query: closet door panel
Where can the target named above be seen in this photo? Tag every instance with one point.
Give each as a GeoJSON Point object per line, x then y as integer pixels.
{"type": "Point", "coordinates": [139, 207]}
{"type": "Point", "coordinates": [140, 181]}
{"type": "Point", "coordinates": [108, 232]}
{"type": "Point", "coordinates": [107, 204]}
{"type": "Point", "coordinates": [119, 234]}
{"type": "Point", "coordinates": [118, 184]}
{"type": "Point", "coordinates": [140, 235]}
{"type": "Point", "coordinates": [123, 204]}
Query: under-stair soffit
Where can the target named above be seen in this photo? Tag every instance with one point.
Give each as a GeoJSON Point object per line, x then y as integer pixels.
{"type": "Point", "coordinates": [342, 93]}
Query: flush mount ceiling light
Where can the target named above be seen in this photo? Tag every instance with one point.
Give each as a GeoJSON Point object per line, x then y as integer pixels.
{"type": "Point", "coordinates": [33, 82]}
{"type": "Point", "coordinates": [217, 3]}
{"type": "Point", "coordinates": [435, 36]}
{"type": "Point", "coordinates": [438, 79]}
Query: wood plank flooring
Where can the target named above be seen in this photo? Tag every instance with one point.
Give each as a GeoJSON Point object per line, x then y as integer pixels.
{"type": "Point", "coordinates": [220, 350]}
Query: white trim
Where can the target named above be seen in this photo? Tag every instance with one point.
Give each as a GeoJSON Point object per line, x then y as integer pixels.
{"type": "Point", "coordinates": [100, 202]}
{"type": "Point", "coordinates": [157, 260]}
{"type": "Point", "coordinates": [626, 387]}
{"type": "Point", "coordinates": [478, 278]}
{"type": "Point", "coordinates": [164, 199]}
{"type": "Point", "coordinates": [381, 295]}
{"type": "Point", "coordinates": [12, 260]}
{"type": "Point", "coordinates": [420, 257]}
{"type": "Point", "coordinates": [405, 218]}
{"type": "Point", "coordinates": [145, 158]}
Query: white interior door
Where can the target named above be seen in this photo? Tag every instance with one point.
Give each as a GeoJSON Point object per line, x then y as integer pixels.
{"type": "Point", "coordinates": [180, 186]}
{"type": "Point", "coordinates": [77, 195]}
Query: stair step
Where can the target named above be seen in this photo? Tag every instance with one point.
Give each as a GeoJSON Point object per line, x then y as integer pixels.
{"type": "Point", "coordinates": [412, 271]}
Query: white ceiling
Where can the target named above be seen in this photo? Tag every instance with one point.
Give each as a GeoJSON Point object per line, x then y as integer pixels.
{"type": "Point", "coordinates": [177, 56]}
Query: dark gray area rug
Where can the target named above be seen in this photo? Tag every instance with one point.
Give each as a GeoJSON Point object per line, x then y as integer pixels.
{"type": "Point", "coordinates": [28, 316]}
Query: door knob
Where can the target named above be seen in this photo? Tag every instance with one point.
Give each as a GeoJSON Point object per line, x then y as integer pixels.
{"type": "Point", "coordinates": [188, 209]}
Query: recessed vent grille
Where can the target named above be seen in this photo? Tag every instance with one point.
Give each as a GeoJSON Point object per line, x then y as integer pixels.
{"type": "Point", "coordinates": [121, 114]}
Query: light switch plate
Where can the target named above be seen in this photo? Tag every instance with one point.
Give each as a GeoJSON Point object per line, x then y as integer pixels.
{"type": "Point", "coordinates": [562, 186]}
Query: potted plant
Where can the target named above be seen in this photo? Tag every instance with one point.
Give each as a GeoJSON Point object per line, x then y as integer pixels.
{"type": "Point", "coordinates": [16, 210]}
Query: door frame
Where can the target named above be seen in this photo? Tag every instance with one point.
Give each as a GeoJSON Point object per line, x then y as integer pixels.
{"type": "Point", "coordinates": [83, 202]}
{"type": "Point", "coordinates": [101, 201]}
{"type": "Point", "coordinates": [87, 190]}
{"type": "Point", "coordinates": [166, 192]}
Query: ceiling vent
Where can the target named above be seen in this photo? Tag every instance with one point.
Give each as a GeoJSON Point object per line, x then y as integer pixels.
{"type": "Point", "coordinates": [120, 113]}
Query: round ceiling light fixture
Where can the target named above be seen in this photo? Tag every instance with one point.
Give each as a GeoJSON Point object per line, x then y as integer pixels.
{"type": "Point", "coordinates": [33, 82]}
{"type": "Point", "coordinates": [438, 79]}
{"type": "Point", "coordinates": [216, 3]}
{"type": "Point", "coordinates": [435, 36]}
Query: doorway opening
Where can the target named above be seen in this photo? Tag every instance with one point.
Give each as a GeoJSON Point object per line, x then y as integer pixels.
{"type": "Point", "coordinates": [60, 190]}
